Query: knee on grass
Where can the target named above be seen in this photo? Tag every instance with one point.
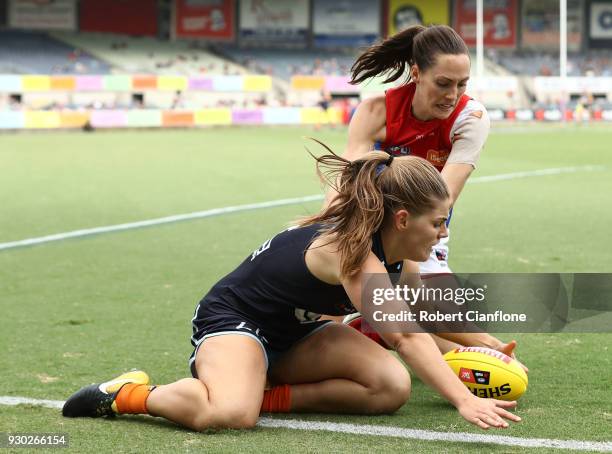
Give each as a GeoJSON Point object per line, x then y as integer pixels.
{"type": "Point", "coordinates": [226, 418]}
{"type": "Point", "coordinates": [389, 389]}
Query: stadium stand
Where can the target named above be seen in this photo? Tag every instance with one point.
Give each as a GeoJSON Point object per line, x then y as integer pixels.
{"type": "Point", "coordinates": [137, 62]}
{"type": "Point", "coordinates": [528, 63]}
{"type": "Point", "coordinates": [285, 63]}
{"type": "Point", "coordinates": [128, 54]}
{"type": "Point", "coordinates": [29, 52]}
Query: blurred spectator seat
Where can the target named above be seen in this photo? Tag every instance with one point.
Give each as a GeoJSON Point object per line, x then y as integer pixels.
{"type": "Point", "coordinates": [531, 63]}
{"type": "Point", "coordinates": [146, 55]}
{"type": "Point", "coordinates": [25, 52]}
{"type": "Point", "coordinates": [284, 63]}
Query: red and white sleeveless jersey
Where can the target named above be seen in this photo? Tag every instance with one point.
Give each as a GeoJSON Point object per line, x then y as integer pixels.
{"type": "Point", "coordinates": [431, 140]}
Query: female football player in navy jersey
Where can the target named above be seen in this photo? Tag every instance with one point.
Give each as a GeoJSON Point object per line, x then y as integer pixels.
{"type": "Point", "coordinates": [261, 322]}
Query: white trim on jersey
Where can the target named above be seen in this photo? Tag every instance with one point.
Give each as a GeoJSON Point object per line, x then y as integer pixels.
{"type": "Point", "coordinates": [471, 106]}
{"type": "Point", "coordinates": [469, 134]}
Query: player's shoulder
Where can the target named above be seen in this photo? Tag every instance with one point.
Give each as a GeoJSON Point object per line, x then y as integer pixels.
{"type": "Point", "coordinates": [323, 260]}
{"type": "Point", "coordinates": [473, 112]}
{"type": "Point", "coordinates": [473, 108]}
{"type": "Point", "coordinates": [369, 119]}
{"type": "Point", "coordinates": [374, 105]}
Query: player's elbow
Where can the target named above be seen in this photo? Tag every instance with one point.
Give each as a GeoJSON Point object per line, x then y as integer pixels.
{"type": "Point", "coordinates": [406, 343]}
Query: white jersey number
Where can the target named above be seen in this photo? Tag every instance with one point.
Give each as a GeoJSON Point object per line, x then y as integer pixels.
{"type": "Point", "coordinates": [262, 248]}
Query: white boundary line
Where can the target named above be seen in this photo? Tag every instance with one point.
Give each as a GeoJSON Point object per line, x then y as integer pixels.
{"type": "Point", "coordinates": [534, 173]}
{"type": "Point", "coordinates": [430, 435]}
{"type": "Point", "coordinates": [257, 206]}
{"type": "Point", "coordinates": [385, 431]}
{"type": "Point", "coordinates": [158, 221]}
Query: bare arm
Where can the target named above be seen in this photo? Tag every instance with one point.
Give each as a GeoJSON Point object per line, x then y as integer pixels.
{"type": "Point", "coordinates": [411, 277]}
{"type": "Point", "coordinates": [468, 135]}
{"type": "Point", "coordinates": [455, 176]}
{"type": "Point", "coordinates": [420, 352]}
{"type": "Point", "coordinates": [367, 126]}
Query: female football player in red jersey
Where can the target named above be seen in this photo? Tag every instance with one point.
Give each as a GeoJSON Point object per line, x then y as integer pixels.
{"type": "Point", "coordinates": [261, 321]}
{"type": "Point", "coordinates": [429, 116]}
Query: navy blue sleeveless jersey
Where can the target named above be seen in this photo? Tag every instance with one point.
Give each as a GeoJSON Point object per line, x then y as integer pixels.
{"type": "Point", "coordinates": [274, 280]}
{"type": "Point", "coordinates": [273, 297]}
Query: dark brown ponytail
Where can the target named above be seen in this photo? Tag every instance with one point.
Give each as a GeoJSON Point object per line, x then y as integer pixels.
{"type": "Point", "coordinates": [416, 45]}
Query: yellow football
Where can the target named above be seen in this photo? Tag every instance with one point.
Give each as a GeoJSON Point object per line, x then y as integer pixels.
{"type": "Point", "coordinates": [488, 373]}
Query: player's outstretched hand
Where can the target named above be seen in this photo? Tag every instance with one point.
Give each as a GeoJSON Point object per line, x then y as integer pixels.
{"type": "Point", "coordinates": [508, 349]}
{"type": "Point", "coordinates": [486, 413]}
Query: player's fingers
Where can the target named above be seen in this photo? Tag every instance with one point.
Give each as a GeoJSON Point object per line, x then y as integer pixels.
{"type": "Point", "coordinates": [506, 414]}
{"type": "Point", "coordinates": [480, 423]}
{"type": "Point", "coordinates": [523, 366]}
{"type": "Point", "coordinates": [508, 348]}
{"type": "Point", "coordinates": [494, 420]}
{"type": "Point", "coordinates": [504, 403]}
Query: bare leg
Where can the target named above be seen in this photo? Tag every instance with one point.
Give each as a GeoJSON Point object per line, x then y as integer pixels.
{"type": "Point", "coordinates": [443, 344]}
{"type": "Point", "coordinates": [340, 370]}
{"type": "Point", "coordinates": [333, 318]}
{"type": "Point", "coordinates": [228, 393]}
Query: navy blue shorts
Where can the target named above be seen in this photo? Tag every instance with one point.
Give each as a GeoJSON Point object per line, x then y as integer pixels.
{"type": "Point", "coordinates": [275, 335]}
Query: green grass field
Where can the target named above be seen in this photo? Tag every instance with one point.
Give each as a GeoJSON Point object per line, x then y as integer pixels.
{"type": "Point", "coordinates": [80, 311]}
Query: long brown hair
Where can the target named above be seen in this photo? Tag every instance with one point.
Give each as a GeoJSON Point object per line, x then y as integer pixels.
{"type": "Point", "coordinates": [370, 189]}
{"type": "Point", "coordinates": [416, 44]}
